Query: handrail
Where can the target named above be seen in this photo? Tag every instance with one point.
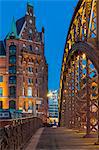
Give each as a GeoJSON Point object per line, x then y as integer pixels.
{"type": "Point", "coordinates": [16, 135]}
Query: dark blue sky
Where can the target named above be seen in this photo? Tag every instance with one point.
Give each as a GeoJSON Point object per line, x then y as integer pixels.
{"type": "Point", "coordinates": [55, 16]}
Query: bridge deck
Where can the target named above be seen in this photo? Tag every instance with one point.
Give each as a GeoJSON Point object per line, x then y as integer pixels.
{"type": "Point", "coordinates": [60, 138]}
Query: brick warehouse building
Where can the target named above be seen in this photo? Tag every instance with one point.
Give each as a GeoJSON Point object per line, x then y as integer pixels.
{"type": "Point", "coordinates": [23, 67]}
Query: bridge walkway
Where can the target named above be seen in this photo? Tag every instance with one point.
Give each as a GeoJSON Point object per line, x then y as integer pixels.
{"type": "Point", "coordinates": [61, 138]}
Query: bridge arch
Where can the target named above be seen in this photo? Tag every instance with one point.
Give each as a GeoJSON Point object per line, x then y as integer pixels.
{"type": "Point", "coordinates": [79, 80]}
{"type": "Point", "coordinates": [87, 48]}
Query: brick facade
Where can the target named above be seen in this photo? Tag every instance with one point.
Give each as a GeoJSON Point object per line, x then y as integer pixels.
{"type": "Point", "coordinates": [24, 68]}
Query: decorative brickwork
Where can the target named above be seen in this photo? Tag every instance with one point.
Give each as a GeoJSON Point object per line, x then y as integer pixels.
{"type": "Point", "coordinates": [24, 68]}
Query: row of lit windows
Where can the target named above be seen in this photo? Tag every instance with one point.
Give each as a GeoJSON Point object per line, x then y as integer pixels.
{"type": "Point", "coordinates": [30, 69]}
{"type": "Point", "coordinates": [29, 47]}
{"type": "Point", "coordinates": [12, 91]}
{"type": "Point", "coordinates": [30, 60]}
{"type": "Point", "coordinates": [12, 104]}
{"type": "Point", "coordinates": [31, 81]}
{"type": "Point", "coordinates": [12, 49]}
{"type": "Point", "coordinates": [12, 79]}
{"type": "Point", "coordinates": [29, 92]}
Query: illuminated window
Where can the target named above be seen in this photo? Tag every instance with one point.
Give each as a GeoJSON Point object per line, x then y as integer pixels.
{"type": "Point", "coordinates": [30, 69]}
{"type": "Point", "coordinates": [1, 78]}
{"type": "Point", "coordinates": [23, 92]}
{"type": "Point", "coordinates": [24, 45]}
{"type": "Point", "coordinates": [1, 91]}
{"type": "Point", "coordinates": [36, 48]}
{"type": "Point", "coordinates": [30, 31]}
{"type": "Point", "coordinates": [30, 21]}
{"type": "Point", "coordinates": [29, 91]}
{"type": "Point", "coordinates": [30, 81]}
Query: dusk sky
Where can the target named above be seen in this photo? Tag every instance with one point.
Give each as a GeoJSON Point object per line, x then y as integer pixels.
{"type": "Point", "coordinates": [55, 16]}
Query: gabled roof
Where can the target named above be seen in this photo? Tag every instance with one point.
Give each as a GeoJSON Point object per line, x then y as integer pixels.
{"type": "Point", "coordinates": [2, 49]}
{"type": "Point", "coordinates": [19, 24]}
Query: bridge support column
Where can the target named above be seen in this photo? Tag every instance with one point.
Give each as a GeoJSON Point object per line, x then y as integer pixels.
{"type": "Point", "coordinates": [97, 22]}
{"type": "Point", "coordinates": [97, 7]}
{"type": "Point", "coordinates": [88, 102]}
{"type": "Point", "coordinates": [98, 106]}
{"type": "Point", "coordinates": [97, 143]}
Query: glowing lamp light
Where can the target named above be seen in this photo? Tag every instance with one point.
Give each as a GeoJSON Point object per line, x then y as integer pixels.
{"type": "Point", "coordinates": [93, 121]}
{"type": "Point", "coordinates": [83, 56]}
{"type": "Point", "coordinates": [64, 91]}
{"type": "Point", "coordinates": [94, 108]}
{"type": "Point", "coordinates": [85, 127]}
{"type": "Point", "coordinates": [49, 95]}
{"type": "Point", "coordinates": [78, 57]}
{"type": "Point", "coordinates": [64, 101]}
{"type": "Point", "coordinates": [94, 84]}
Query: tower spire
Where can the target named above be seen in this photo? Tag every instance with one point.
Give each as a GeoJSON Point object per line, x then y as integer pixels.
{"type": "Point", "coordinates": [29, 4]}
{"type": "Point", "coordinates": [13, 31]}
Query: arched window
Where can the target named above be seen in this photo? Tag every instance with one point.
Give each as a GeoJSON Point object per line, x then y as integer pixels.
{"type": "Point", "coordinates": [12, 91]}
{"type": "Point", "coordinates": [12, 59]}
{"type": "Point", "coordinates": [30, 38]}
{"type": "Point", "coordinates": [12, 79]}
{"type": "Point", "coordinates": [29, 91]}
{"type": "Point", "coordinates": [12, 50]}
{"type": "Point", "coordinates": [37, 48]}
{"type": "Point", "coordinates": [23, 91]}
{"type": "Point", "coordinates": [30, 47]}
{"type": "Point", "coordinates": [30, 31]}
{"type": "Point", "coordinates": [12, 104]}
{"type": "Point", "coordinates": [1, 91]}
{"type": "Point", "coordinates": [24, 45]}
{"type": "Point", "coordinates": [24, 106]}
{"type": "Point", "coordinates": [12, 69]}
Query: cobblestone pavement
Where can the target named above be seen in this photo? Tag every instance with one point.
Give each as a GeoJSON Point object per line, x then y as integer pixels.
{"type": "Point", "coordinates": [63, 139]}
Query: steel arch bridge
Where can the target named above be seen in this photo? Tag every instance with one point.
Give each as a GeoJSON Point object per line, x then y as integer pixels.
{"type": "Point", "coordinates": [79, 81]}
